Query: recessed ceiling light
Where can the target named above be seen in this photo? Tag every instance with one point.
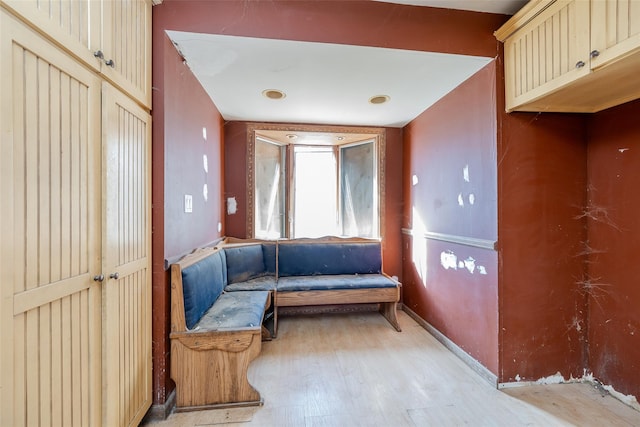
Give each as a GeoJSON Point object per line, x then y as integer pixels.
{"type": "Point", "coordinates": [340, 138]}
{"type": "Point", "coordinates": [273, 94]}
{"type": "Point", "coordinates": [379, 99]}
{"type": "Point", "coordinates": [292, 136]}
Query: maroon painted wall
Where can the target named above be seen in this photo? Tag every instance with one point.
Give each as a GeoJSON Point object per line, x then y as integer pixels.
{"type": "Point", "coordinates": [455, 135]}
{"type": "Point", "coordinates": [614, 240]}
{"type": "Point", "coordinates": [354, 22]}
{"type": "Point", "coordinates": [538, 164]}
{"type": "Point", "coordinates": [541, 192]}
{"type": "Point", "coordinates": [181, 109]}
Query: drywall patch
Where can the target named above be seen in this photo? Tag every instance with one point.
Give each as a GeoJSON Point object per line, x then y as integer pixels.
{"type": "Point", "coordinates": [552, 379]}
{"type": "Point", "coordinates": [232, 205]}
{"type": "Point", "coordinates": [450, 261]}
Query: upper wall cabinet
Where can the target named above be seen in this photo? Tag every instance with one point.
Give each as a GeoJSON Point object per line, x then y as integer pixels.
{"type": "Point", "coordinates": [111, 36]}
{"type": "Point", "coordinates": [572, 55]}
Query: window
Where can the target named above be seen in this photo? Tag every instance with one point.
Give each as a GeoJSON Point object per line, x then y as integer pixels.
{"type": "Point", "coordinates": [310, 183]}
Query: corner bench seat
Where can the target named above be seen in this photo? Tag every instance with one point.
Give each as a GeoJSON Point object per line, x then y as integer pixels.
{"type": "Point", "coordinates": [310, 272]}
{"type": "Point", "coordinates": [224, 300]}
{"type": "Point", "coordinates": [214, 334]}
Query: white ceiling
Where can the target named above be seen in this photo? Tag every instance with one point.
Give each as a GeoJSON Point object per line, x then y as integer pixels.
{"type": "Point", "coordinates": [326, 83]}
{"type": "Point", "coordinates": [505, 7]}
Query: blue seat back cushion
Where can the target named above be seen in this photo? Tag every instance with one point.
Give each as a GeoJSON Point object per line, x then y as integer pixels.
{"type": "Point", "coordinates": [269, 256]}
{"type": "Point", "coordinates": [244, 263]}
{"type": "Point", "coordinates": [202, 283]}
{"type": "Point", "coordinates": [309, 259]}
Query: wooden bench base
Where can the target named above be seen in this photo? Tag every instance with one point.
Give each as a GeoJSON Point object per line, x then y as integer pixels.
{"type": "Point", "coordinates": [210, 368]}
{"type": "Point", "coordinates": [387, 298]}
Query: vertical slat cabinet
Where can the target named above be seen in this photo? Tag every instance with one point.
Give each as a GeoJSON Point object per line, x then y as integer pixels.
{"type": "Point", "coordinates": [112, 37]}
{"type": "Point", "coordinates": [615, 30]}
{"type": "Point", "coordinates": [75, 305]}
{"type": "Point", "coordinates": [74, 25]}
{"type": "Point", "coordinates": [127, 259]}
{"type": "Point", "coordinates": [50, 229]}
{"type": "Point", "coordinates": [548, 53]}
{"type": "Point", "coordinates": [127, 47]}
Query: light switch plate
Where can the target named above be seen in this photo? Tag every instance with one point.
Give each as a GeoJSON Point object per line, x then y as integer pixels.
{"type": "Point", "coordinates": [188, 203]}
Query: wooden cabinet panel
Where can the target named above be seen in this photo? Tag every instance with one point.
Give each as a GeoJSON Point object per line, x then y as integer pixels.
{"type": "Point", "coordinates": [127, 258]}
{"type": "Point", "coordinates": [548, 53]}
{"type": "Point", "coordinates": [75, 184]}
{"type": "Point", "coordinates": [548, 37]}
{"type": "Point", "coordinates": [118, 31]}
{"type": "Point", "coordinates": [73, 24]}
{"type": "Point", "coordinates": [127, 43]}
{"type": "Point", "coordinates": [615, 30]}
{"type": "Point", "coordinates": [50, 226]}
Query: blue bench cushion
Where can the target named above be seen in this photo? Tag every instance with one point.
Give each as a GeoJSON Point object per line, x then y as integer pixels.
{"type": "Point", "coordinates": [202, 283]}
{"type": "Point", "coordinates": [309, 259]}
{"type": "Point", "coordinates": [233, 310]}
{"type": "Point", "coordinates": [264, 283]}
{"type": "Point", "coordinates": [248, 262]}
{"type": "Point", "coordinates": [340, 281]}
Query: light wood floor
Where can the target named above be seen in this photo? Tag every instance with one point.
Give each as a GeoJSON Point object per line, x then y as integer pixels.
{"type": "Point", "coordinates": [356, 370]}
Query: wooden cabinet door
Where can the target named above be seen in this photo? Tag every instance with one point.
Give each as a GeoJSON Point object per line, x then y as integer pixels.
{"type": "Point", "coordinates": [74, 24]}
{"type": "Point", "coordinates": [50, 234]}
{"type": "Point", "coordinates": [615, 30]}
{"type": "Point", "coordinates": [127, 47]}
{"type": "Point", "coordinates": [127, 259]}
{"type": "Point", "coordinates": [119, 31]}
{"type": "Point", "coordinates": [549, 52]}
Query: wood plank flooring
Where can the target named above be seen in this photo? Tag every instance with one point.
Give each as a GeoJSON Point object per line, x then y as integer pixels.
{"type": "Point", "coordinates": [356, 370]}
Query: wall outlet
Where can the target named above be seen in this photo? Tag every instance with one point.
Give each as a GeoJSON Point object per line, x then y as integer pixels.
{"type": "Point", "coordinates": [188, 203]}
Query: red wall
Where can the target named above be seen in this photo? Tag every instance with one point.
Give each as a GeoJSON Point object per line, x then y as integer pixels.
{"type": "Point", "coordinates": [354, 22]}
{"type": "Point", "coordinates": [458, 133]}
{"type": "Point", "coordinates": [181, 109]}
{"type": "Point", "coordinates": [614, 239]}
{"type": "Point", "coordinates": [542, 188]}
{"type": "Point", "coordinates": [530, 315]}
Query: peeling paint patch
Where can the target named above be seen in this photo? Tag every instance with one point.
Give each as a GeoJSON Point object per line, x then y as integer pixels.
{"type": "Point", "coordinates": [470, 264]}
{"type": "Point", "coordinates": [465, 173]}
{"type": "Point", "coordinates": [460, 200]}
{"type": "Point", "coordinates": [627, 399]}
{"type": "Point", "coordinates": [414, 180]}
{"type": "Point", "coordinates": [232, 205]}
{"type": "Point", "coordinates": [552, 379]}
{"type": "Point", "coordinates": [622, 150]}
{"type": "Point", "coordinates": [449, 260]}
{"type": "Point", "coordinates": [472, 198]}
